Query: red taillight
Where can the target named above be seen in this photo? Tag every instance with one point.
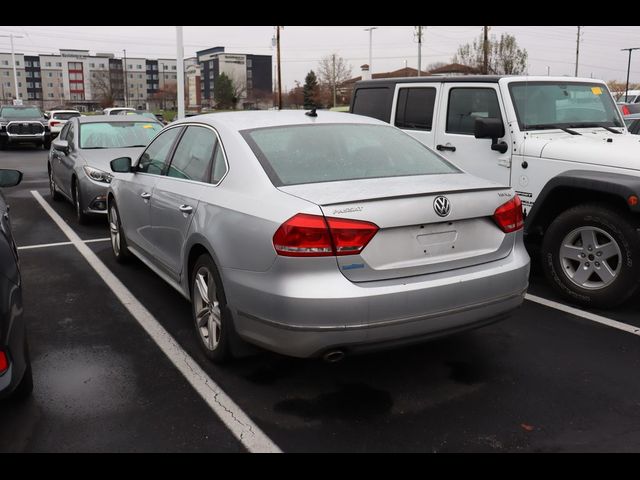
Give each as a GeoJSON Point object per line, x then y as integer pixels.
{"type": "Point", "coordinates": [305, 235]}
{"type": "Point", "coordinates": [509, 215]}
{"type": "Point", "coordinates": [625, 110]}
{"type": "Point", "coordinates": [4, 362]}
{"type": "Point", "coordinates": [53, 123]}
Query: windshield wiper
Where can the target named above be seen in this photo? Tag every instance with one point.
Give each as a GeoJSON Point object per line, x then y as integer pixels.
{"type": "Point", "coordinates": [133, 146]}
{"type": "Point", "coordinates": [592, 125]}
{"type": "Point", "coordinates": [548, 126]}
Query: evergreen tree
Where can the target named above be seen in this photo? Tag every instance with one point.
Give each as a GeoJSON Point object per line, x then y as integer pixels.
{"type": "Point", "coordinates": [223, 92]}
{"type": "Point", "coordinates": [311, 90]}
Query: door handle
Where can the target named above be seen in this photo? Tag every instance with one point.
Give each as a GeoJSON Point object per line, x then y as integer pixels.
{"type": "Point", "coordinates": [450, 148]}
{"type": "Point", "coordinates": [188, 209]}
{"type": "Point", "coordinates": [145, 195]}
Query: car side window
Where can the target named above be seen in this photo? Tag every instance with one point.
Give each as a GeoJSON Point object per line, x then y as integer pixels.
{"type": "Point", "coordinates": [64, 131]}
{"type": "Point", "coordinates": [193, 155]}
{"type": "Point", "coordinates": [415, 108]}
{"type": "Point", "coordinates": [70, 135]}
{"type": "Point", "coordinates": [467, 104]}
{"type": "Point", "coordinates": [219, 165]}
{"type": "Point", "coordinates": [156, 156]}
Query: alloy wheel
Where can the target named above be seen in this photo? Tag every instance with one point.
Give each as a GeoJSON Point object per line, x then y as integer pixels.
{"type": "Point", "coordinates": [207, 309]}
{"type": "Point", "coordinates": [590, 258]}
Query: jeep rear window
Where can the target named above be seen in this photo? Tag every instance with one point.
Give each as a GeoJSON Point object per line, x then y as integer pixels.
{"type": "Point", "coordinates": [296, 154]}
{"type": "Point", "coordinates": [373, 102]}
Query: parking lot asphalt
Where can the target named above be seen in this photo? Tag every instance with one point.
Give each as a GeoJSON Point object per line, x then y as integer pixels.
{"type": "Point", "coordinates": [544, 380]}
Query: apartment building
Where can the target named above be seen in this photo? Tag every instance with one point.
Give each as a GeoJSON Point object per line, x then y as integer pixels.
{"type": "Point", "coordinates": [77, 79]}
{"type": "Point", "coordinates": [251, 74]}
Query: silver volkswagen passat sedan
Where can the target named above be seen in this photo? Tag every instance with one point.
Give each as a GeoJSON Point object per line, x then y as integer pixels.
{"type": "Point", "coordinates": [78, 163]}
{"type": "Point", "coordinates": [319, 234]}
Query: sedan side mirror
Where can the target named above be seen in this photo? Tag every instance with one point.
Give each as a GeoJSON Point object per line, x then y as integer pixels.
{"type": "Point", "coordinates": [121, 165]}
{"type": "Point", "coordinates": [60, 145]}
{"type": "Point", "coordinates": [10, 178]}
{"type": "Point", "coordinates": [492, 128]}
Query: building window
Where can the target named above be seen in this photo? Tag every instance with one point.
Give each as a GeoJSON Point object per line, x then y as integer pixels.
{"type": "Point", "coordinates": [30, 96]}
{"type": "Point", "coordinates": [249, 63]}
{"type": "Point", "coordinates": [49, 74]}
{"type": "Point", "coordinates": [36, 74]}
{"type": "Point", "coordinates": [140, 85]}
{"type": "Point", "coordinates": [249, 74]}
{"type": "Point", "coordinates": [28, 63]}
{"type": "Point", "coordinates": [36, 63]}
{"type": "Point", "coordinates": [5, 62]}
{"type": "Point", "coordinates": [19, 84]}
{"type": "Point", "coordinates": [18, 74]}
{"type": "Point", "coordinates": [173, 67]}
{"type": "Point", "coordinates": [17, 62]}
{"type": "Point", "coordinates": [92, 65]}
{"type": "Point", "coordinates": [129, 66]}
{"type": "Point", "coordinates": [37, 84]}
{"type": "Point", "coordinates": [139, 76]}
{"type": "Point", "coordinates": [102, 65]}
{"type": "Point", "coordinates": [6, 74]}
{"type": "Point", "coordinates": [61, 85]}
{"type": "Point", "coordinates": [8, 84]}
{"type": "Point", "coordinates": [58, 64]}
{"type": "Point", "coordinates": [50, 85]}
{"type": "Point", "coordinates": [47, 64]}
{"type": "Point", "coordinates": [131, 75]}
{"type": "Point", "coordinates": [29, 84]}
{"type": "Point", "coordinates": [142, 95]}
{"type": "Point", "coordinates": [139, 67]}
{"type": "Point", "coordinates": [249, 84]}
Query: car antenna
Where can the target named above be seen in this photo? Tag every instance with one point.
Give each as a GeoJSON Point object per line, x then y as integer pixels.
{"type": "Point", "coordinates": [312, 112]}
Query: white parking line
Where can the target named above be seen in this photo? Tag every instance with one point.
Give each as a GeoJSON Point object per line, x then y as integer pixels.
{"type": "Point", "coordinates": [586, 315]}
{"type": "Point", "coordinates": [46, 245]}
{"type": "Point", "coordinates": [223, 406]}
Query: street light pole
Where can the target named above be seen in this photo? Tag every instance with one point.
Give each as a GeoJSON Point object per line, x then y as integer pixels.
{"type": "Point", "coordinates": [370, 30]}
{"type": "Point", "coordinates": [124, 69]}
{"type": "Point", "coordinates": [13, 59]}
{"type": "Point", "coordinates": [626, 89]}
{"type": "Point", "coordinates": [180, 68]}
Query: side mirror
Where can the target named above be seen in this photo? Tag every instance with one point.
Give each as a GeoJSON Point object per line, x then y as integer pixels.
{"type": "Point", "coordinates": [10, 178]}
{"type": "Point", "coordinates": [492, 128]}
{"type": "Point", "coordinates": [121, 165]}
{"type": "Point", "coordinates": [60, 145]}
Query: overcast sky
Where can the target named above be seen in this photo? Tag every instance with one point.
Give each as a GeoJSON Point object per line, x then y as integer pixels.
{"type": "Point", "coordinates": [302, 47]}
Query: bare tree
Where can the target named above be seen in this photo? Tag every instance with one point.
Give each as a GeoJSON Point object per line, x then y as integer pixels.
{"type": "Point", "coordinates": [295, 97]}
{"type": "Point", "coordinates": [168, 93]}
{"type": "Point", "coordinates": [505, 57]}
{"type": "Point", "coordinates": [101, 88]}
{"type": "Point", "coordinates": [434, 65]}
{"type": "Point", "coordinates": [333, 71]}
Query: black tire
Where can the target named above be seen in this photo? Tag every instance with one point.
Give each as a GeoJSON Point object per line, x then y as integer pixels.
{"type": "Point", "coordinates": [606, 283]}
{"type": "Point", "coordinates": [118, 239]}
{"type": "Point", "coordinates": [221, 351]}
{"type": "Point", "coordinates": [81, 217]}
{"type": "Point", "coordinates": [25, 387]}
{"type": "Point", "coordinates": [53, 190]}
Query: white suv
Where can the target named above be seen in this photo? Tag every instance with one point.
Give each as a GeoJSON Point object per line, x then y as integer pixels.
{"type": "Point", "coordinates": [58, 118]}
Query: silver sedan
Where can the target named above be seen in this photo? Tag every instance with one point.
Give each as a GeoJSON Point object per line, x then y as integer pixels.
{"type": "Point", "coordinates": [317, 235]}
{"type": "Point", "coordinates": [78, 163]}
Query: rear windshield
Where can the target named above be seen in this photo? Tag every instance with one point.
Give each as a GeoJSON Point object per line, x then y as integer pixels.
{"type": "Point", "coordinates": [297, 154]}
{"type": "Point", "coordinates": [117, 134]}
{"type": "Point", "coordinates": [11, 112]}
{"type": "Point", "coordinates": [65, 115]}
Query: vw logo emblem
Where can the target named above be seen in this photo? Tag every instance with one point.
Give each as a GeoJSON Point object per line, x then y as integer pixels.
{"type": "Point", "coordinates": [442, 206]}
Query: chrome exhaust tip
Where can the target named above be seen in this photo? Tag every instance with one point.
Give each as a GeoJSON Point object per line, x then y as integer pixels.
{"type": "Point", "coordinates": [333, 356]}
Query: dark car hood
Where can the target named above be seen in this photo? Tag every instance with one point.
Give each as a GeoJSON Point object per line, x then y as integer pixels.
{"type": "Point", "coordinates": [101, 158]}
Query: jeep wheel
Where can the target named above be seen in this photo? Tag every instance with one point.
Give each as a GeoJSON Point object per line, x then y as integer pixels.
{"type": "Point", "coordinates": [591, 255]}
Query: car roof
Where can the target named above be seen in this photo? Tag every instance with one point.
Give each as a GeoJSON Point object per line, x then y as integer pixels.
{"type": "Point", "coordinates": [63, 111]}
{"type": "Point", "coordinates": [246, 120]}
{"type": "Point", "coordinates": [112, 119]}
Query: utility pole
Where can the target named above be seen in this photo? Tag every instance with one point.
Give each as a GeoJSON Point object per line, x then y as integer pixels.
{"type": "Point", "coordinates": [279, 69]}
{"type": "Point", "coordinates": [577, 51]}
{"type": "Point", "coordinates": [124, 75]}
{"type": "Point", "coordinates": [626, 89]}
{"type": "Point", "coordinates": [370, 30]}
{"type": "Point", "coordinates": [419, 35]}
{"type": "Point", "coordinates": [485, 51]}
{"type": "Point", "coordinates": [333, 79]}
{"type": "Point", "coordinates": [13, 59]}
{"type": "Point", "coordinates": [180, 68]}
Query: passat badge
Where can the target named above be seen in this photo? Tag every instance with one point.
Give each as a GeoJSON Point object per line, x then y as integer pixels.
{"type": "Point", "coordinates": [442, 206]}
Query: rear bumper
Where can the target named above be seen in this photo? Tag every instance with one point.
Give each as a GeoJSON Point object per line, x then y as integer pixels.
{"type": "Point", "coordinates": [307, 314]}
{"type": "Point", "coordinates": [12, 336]}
